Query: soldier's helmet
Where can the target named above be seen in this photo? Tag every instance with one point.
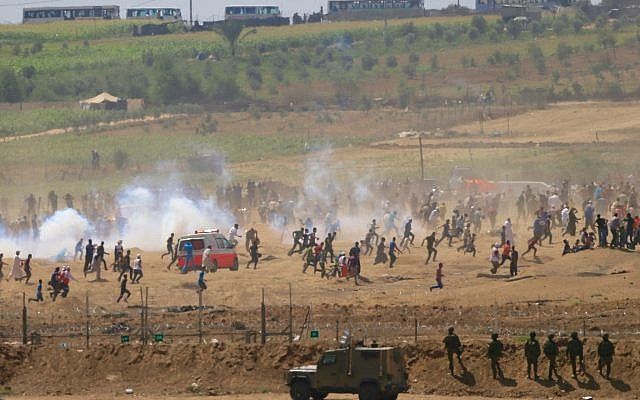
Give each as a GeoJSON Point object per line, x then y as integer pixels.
{"type": "Point", "coordinates": [574, 335]}
{"type": "Point", "coordinates": [532, 335]}
{"type": "Point", "coordinates": [605, 336]}
{"type": "Point", "coordinates": [450, 330]}
{"type": "Point", "coordinates": [494, 336]}
{"type": "Point", "coordinates": [551, 336]}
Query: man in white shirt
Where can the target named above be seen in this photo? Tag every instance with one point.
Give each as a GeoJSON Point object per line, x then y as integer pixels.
{"type": "Point", "coordinates": [207, 262]}
{"type": "Point", "coordinates": [233, 234]}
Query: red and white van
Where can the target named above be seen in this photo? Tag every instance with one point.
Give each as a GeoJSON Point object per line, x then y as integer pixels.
{"type": "Point", "coordinates": [223, 254]}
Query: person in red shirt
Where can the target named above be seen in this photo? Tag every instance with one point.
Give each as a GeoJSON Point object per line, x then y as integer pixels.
{"type": "Point", "coordinates": [506, 252]}
{"type": "Point", "coordinates": [439, 276]}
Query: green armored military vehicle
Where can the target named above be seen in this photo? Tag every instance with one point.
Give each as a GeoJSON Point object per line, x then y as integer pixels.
{"type": "Point", "coordinates": [374, 373]}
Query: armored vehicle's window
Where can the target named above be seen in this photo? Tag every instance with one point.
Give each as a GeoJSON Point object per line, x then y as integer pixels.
{"type": "Point", "coordinates": [329, 359]}
{"type": "Point", "coordinates": [369, 355]}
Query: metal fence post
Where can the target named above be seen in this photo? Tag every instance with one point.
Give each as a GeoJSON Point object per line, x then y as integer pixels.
{"type": "Point", "coordinates": [24, 318]}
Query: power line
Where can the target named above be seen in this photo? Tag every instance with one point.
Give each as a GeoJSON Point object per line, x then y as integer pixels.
{"type": "Point", "coordinates": [31, 3]}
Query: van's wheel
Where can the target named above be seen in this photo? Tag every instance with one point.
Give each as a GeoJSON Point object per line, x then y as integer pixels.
{"type": "Point", "coordinates": [300, 390]}
{"type": "Point", "coordinates": [369, 391]}
{"type": "Point", "coordinates": [236, 265]}
{"type": "Point", "coordinates": [214, 266]}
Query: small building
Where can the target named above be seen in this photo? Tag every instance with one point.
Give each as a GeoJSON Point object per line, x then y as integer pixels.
{"type": "Point", "coordinates": [104, 101]}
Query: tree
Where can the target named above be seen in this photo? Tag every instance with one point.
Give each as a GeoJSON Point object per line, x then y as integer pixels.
{"type": "Point", "coordinates": [10, 87]}
{"type": "Point", "coordinates": [231, 31]}
{"type": "Point", "coordinates": [537, 29]}
{"type": "Point", "coordinates": [564, 53]}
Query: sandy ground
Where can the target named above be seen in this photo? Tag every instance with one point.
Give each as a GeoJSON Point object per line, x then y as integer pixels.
{"type": "Point", "coordinates": [265, 396]}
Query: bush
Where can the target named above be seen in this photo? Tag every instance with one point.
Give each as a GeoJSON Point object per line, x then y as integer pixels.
{"type": "Point", "coordinates": [434, 63]}
{"type": "Point", "coordinates": [255, 60]}
{"type": "Point", "coordinates": [414, 58]}
{"type": "Point", "coordinates": [305, 58]}
{"type": "Point", "coordinates": [410, 70]}
{"type": "Point", "coordinates": [405, 95]}
{"type": "Point", "coordinates": [537, 30]}
{"type": "Point", "coordinates": [479, 23]}
{"type": "Point", "coordinates": [368, 62]}
{"type": "Point", "coordinates": [392, 62]}
{"type": "Point", "coordinates": [36, 47]}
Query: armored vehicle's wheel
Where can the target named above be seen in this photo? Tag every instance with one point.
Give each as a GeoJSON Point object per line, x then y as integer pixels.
{"type": "Point", "coordinates": [319, 395]}
{"type": "Point", "coordinates": [369, 391]}
{"type": "Point", "coordinates": [300, 390]}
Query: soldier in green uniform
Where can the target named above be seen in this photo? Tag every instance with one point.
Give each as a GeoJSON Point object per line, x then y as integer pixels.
{"type": "Point", "coordinates": [575, 351]}
{"type": "Point", "coordinates": [606, 350]}
{"type": "Point", "coordinates": [551, 352]}
{"type": "Point", "coordinates": [495, 352]}
{"type": "Point", "coordinates": [453, 346]}
{"type": "Point", "coordinates": [531, 354]}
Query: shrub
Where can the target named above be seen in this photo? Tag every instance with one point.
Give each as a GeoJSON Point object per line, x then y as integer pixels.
{"type": "Point", "coordinates": [414, 58]}
{"type": "Point", "coordinates": [368, 62]}
{"type": "Point", "coordinates": [120, 159]}
{"type": "Point", "coordinates": [392, 62]}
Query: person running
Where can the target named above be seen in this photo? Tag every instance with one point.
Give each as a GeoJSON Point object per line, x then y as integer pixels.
{"type": "Point", "coordinates": [606, 351]}
{"type": "Point", "coordinates": [309, 258]}
{"type": "Point", "coordinates": [188, 256]}
{"type": "Point", "coordinates": [77, 253]}
{"type": "Point", "coordinates": [446, 233]}
{"type": "Point", "coordinates": [124, 292]}
{"type": "Point", "coordinates": [471, 245]}
{"type": "Point", "coordinates": [506, 252]}
{"type": "Point", "coordinates": [532, 354]}
{"type": "Point", "coordinates": [408, 236]}
{"type": "Point", "coordinates": [39, 296]}
{"type": "Point", "coordinates": [255, 254]}
{"type": "Point", "coordinates": [392, 252]}
{"type": "Point", "coordinates": [297, 242]}
{"type": "Point", "coordinates": [169, 247]}
{"type": "Point", "coordinates": [381, 256]}
{"type": "Point", "coordinates": [439, 276]}
{"type": "Point", "coordinates": [233, 235]}
{"type": "Point", "coordinates": [494, 258]}
{"type": "Point", "coordinates": [495, 352]}
{"type": "Point", "coordinates": [126, 266]}
{"type": "Point", "coordinates": [431, 248]}
{"type": "Point", "coordinates": [202, 283]}
{"type": "Point", "coordinates": [27, 268]}
{"type": "Point", "coordinates": [551, 351]}
{"type": "Point", "coordinates": [137, 269]}
{"type": "Point", "coordinates": [453, 346]}
{"type": "Point", "coordinates": [531, 245]}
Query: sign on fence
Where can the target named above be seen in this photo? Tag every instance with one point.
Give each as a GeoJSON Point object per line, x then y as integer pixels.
{"type": "Point", "coordinates": [158, 338]}
{"type": "Point", "coordinates": [315, 334]}
{"type": "Point", "coordinates": [124, 339]}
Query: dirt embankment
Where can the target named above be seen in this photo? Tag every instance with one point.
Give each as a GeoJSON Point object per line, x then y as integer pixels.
{"type": "Point", "coordinates": [220, 368]}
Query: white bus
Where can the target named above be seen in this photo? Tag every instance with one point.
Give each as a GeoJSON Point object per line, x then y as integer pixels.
{"type": "Point", "coordinates": [49, 14]}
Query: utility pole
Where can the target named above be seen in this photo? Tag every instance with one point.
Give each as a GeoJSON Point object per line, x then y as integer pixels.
{"type": "Point", "coordinates": [24, 319]}
{"type": "Point", "coordinates": [191, 13]}
{"type": "Point", "coordinates": [421, 156]}
{"type": "Point", "coordinates": [200, 315]}
{"type": "Point", "coordinates": [263, 321]}
{"type": "Point", "coordinates": [290, 315]}
{"type": "Point", "coordinates": [86, 331]}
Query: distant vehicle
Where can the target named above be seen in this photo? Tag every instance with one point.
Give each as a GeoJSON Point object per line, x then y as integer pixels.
{"type": "Point", "coordinates": [223, 254]}
{"type": "Point", "coordinates": [374, 373]}
{"type": "Point", "coordinates": [50, 14]}
{"type": "Point", "coordinates": [251, 12]}
{"type": "Point", "coordinates": [255, 15]}
{"type": "Point", "coordinates": [154, 13]}
{"type": "Point", "coordinates": [374, 9]}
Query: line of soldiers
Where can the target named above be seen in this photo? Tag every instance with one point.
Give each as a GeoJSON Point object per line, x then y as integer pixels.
{"type": "Point", "coordinates": [532, 352]}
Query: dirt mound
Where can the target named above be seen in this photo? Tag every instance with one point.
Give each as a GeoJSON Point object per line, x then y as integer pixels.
{"type": "Point", "coordinates": [220, 368]}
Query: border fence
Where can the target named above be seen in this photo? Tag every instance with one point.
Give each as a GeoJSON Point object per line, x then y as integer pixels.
{"type": "Point", "coordinates": [145, 323]}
